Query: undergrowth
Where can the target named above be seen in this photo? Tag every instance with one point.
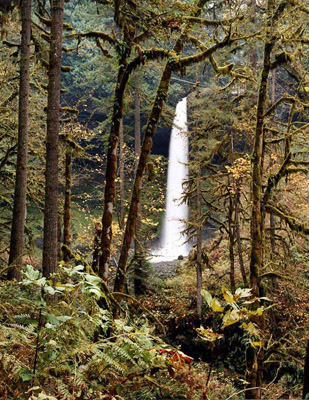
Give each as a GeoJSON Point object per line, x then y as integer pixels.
{"type": "Point", "coordinates": [56, 342]}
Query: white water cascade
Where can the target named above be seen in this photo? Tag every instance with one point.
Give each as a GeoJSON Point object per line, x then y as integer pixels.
{"type": "Point", "coordinates": [173, 241]}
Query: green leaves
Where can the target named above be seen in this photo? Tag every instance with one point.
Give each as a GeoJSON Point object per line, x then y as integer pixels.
{"type": "Point", "coordinates": [53, 321]}
{"type": "Point", "coordinates": [32, 276]}
{"type": "Point", "coordinates": [25, 374]}
{"type": "Point", "coordinates": [92, 285]}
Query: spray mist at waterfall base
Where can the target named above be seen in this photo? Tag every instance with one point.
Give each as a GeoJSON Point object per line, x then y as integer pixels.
{"type": "Point", "coordinates": [173, 242]}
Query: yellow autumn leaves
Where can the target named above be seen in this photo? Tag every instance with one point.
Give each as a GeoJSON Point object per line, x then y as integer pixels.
{"type": "Point", "coordinates": [234, 312]}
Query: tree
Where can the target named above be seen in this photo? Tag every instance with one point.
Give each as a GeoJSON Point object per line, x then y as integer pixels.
{"type": "Point", "coordinates": [67, 205]}
{"type": "Point", "coordinates": [52, 138]}
{"type": "Point", "coordinates": [137, 120]}
{"type": "Point", "coordinates": [17, 241]}
{"type": "Point", "coordinates": [262, 197]}
{"type": "Point", "coordinates": [140, 274]}
{"type": "Point", "coordinates": [256, 258]}
{"type": "Point", "coordinates": [122, 176]}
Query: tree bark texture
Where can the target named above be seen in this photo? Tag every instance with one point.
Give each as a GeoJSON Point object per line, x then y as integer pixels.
{"type": "Point", "coordinates": [111, 173]}
{"type": "Point", "coordinates": [231, 221]}
{"type": "Point", "coordinates": [199, 270]}
{"type": "Point", "coordinates": [253, 52]}
{"type": "Point", "coordinates": [231, 242]}
{"type": "Point", "coordinates": [52, 138]}
{"type": "Point", "coordinates": [140, 275]}
{"type": "Point", "coordinates": [137, 122]}
{"type": "Point", "coordinates": [238, 238]}
{"type": "Point", "coordinates": [121, 176]}
{"type": "Point", "coordinates": [67, 206]}
{"type": "Point", "coordinates": [17, 241]}
{"type": "Point", "coordinates": [59, 236]}
{"type": "Point", "coordinates": [272, 218]}
{"type": "Point", "coordinates": [256, 213]}
{"type": "Point", "coordinates": [96, 246]}
{"type": "Point", "coordinates": [254, 356]}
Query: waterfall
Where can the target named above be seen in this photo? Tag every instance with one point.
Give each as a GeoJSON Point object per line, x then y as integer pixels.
{"type": "Point", "coordinates": [172, 242]}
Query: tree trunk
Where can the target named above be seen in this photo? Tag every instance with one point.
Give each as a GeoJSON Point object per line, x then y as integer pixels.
{"type": "Point", "coordinates": [231, 222]}
{"type": "Point", "coordinates": [67, 206]}
{"type": "Point", "coordinates": [255, 357]}
{"type": "Point", "coordinates": [253, 52]}
{"type": "Point", "coordinates": [19, 209]}
{"type": "Point", "coordinates": [137, 123]}
{"type": "Point", "coordinates": [231, 243]}
{"type": "Point", "coordinates": [238, 238]}
{"type": "Point", "coordinates": [111, 173]}
{"type": "Point", "coordinates": [199, 238]}
{"type": "Point", "coordinates": [52, 137]}
{"type": "Point", "coordinates": [140, 275]}
{"type": "Point", "coordinates": [59, 238]}
{"type": "Point", "coordinates": [121, 176]}
{"type": "Point", "coordinates": [257, 156]}
{"type": "Point", "coordinates": [199, 270]}
{"type": "Point", "coordinates": [96, 246]}
{"type": "Point", "coordinates": [272, 218]}
{"type": "Point", "coordinates": [306, 374]}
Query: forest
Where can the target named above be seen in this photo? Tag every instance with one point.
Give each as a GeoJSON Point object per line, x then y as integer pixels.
{"type": "Point", "coordinates": [154, 199]}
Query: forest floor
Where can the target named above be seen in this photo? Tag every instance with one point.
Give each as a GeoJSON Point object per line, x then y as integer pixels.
{"type": "Point", "coordinates": [171, 297]}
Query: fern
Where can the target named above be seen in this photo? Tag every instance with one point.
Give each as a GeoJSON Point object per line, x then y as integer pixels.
{"type": "Point", "coordinates": [123, 353]}
{"type": "Point", "coordinates": [67, 359]}
{"type": "Point", "coordinates": [110, 361]}
{"type": "Point", "coordinates": [30, 329]}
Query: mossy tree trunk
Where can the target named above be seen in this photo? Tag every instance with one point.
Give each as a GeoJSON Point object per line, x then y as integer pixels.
{"type": "Point", "coordinates": [19, 208]}
{"type": "Point", "coordinates": [272, 218]}
{"type": "Point", "coordinates": [199, 236]}
{"type": "Point", "coordinates": [139, 257]}
{"type": "Point", "coordinates": [137, 121]}
{"type": "Point", "coordinates": [111, 172]}
{"type": "Point", "coordinates": [96, 246]}
{"type": "Point", "coordinates": [255, 356]}
{"type": "Point", "coordinates": [67, 206]}
{"type": "Point", "coordinates": [238, 237]}
{"type": "Point", "coordinates": [50, 248]}
{"type": "Point", "coordinates": [231, 229]}
{"type": "Point", "coordinates": [199, 270]}
{"type": "Point", "coordinates": [230, 217]}
{"type": "Point", "coordinates": [121, 176]}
